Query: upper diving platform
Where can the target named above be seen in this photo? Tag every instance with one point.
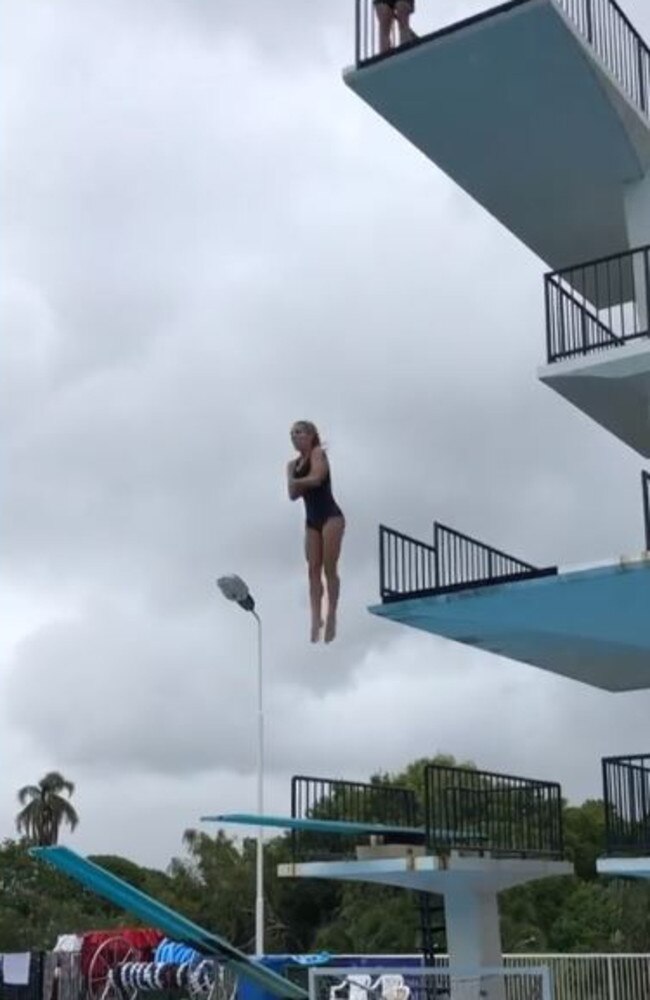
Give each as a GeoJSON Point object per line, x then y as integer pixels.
{"type": "Point", "coordinates": [538, 109]}
{"type": "Point", "coordinates": [591, 625]}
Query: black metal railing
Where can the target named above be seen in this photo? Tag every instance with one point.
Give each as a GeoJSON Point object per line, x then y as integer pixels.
{"type": "Point", "coordinates": [598, 305]}
{"type": "Point", "coordinates": [409, 568]}
{"type": "Point", "coordinates": [352, 802]}
{"type": "Point", "coordinates": [626, 793]}
{"type": "Point", "coordinates": [617, 42]}
{"type": "Point", "coordinates": [645, 486]}
{"type": "Point", "coordinates": [602, 24]}
{"type": "Point", "coordinates": [481, 811]}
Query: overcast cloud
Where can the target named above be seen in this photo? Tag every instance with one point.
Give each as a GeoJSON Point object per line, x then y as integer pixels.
{"type": "Point", "coordinates": [207, 236]}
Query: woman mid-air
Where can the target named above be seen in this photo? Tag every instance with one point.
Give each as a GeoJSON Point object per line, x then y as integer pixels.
{"type": "Point", "coordinates": [308, 476]}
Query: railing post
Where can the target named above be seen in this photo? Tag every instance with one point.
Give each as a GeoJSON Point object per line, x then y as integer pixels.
{"type": "Point", "coordinates": [547, 308]}
{"type": "Point", "coordinates": [610, 979]}
{"type": "Point", "coordinates": [357, 32]}
{"type": "Point", "coordinates": [645, 486]}
{"type": "Point", "coordinates": [584, 333]}
{"type": "Point", "coordinates": [436, 555]}
{"type": "Point", "coordinates": [645, 319]}
{"type": "Point", "coordinates": [643, 97]}
{"type": "Point", "coordinates": [589, 20]}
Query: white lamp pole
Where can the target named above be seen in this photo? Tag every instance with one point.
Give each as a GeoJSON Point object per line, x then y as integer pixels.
{"type": "Point", "coordinates": [234, 589]}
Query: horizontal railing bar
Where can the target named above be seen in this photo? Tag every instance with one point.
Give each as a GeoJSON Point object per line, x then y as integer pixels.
{"type": "Point", "coordinates": [594, 319]}
{"type": "Point", "coordinates": [406, 538]}
{"type": "Point", "coordinates": [482, 545]}
{"type": "Point", "coordinates": [392, 597]}
{"type": "Point", "coordinates": [581, 265]}
{"type": "Point", "coordinates": [440, 768]}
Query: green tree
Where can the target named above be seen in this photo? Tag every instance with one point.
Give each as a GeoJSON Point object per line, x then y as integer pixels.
{"type": "Point", "coordinates": [45, 809]}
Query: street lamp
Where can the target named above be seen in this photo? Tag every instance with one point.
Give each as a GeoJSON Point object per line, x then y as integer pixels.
{"type": "Point", "coordinates": [235, 589]}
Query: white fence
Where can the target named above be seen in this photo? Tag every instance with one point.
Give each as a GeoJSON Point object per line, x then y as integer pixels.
{"type": "Point", "coordinates": [573, 977]}
{"type": "Point", "coordinates": [593, 977]}
{"type": "Point", "coordinates": [430, 983]}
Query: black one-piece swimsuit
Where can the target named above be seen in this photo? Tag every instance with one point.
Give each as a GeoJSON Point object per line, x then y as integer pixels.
{"type": "Point", "coordinates": [320, 504]}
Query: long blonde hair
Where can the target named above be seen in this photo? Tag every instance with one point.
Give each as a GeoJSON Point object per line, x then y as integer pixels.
{"type": "Point", "coordinates": [307, 425]}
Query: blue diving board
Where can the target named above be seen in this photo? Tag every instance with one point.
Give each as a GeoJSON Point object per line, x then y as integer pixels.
{"type": "Point", "coordinates": [172, 924]}
{"type": "Point", "coordinates": [318, 825]}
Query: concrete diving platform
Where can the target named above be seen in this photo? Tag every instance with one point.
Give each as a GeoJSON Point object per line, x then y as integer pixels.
{"type": "Point", "coordinates": [518, 107]}
{"type": "Point", "coordinates": [591, 625]}
{"type": "Point", "coordinates": [446, 874]}
{"type": "Point", "coordinates": [612, 387]}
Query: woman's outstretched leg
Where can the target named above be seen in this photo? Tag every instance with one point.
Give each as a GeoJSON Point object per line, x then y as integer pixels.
{"type": "Point", "coordinates": [333, 530]}
{"type": "Point", "coordinates": [384, 13]}
{"type": "Point", "coordinates": [314, 555]}
{"type": "Point", "coordinates": [403, 11]}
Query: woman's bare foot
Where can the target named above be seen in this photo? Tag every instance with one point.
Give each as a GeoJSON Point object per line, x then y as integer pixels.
{"type": "Point", "coordinates": [316, 626]}
{"type": "Point", "coordinates": [330, 628]}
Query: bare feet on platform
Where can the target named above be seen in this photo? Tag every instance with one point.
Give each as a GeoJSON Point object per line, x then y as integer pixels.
{"type": "Point", "coordinates": [316, 626]}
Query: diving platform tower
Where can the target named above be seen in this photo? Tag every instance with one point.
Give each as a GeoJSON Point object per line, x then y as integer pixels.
{"type": "Point", "coordinates": [539, 110]}
{"type": "Point", "coordinates": [468, 836]}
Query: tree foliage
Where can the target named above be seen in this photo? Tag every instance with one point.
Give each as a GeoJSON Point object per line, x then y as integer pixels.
{"type": "Point", "coordinates": [45, 809]}
{"type": "Point", "coordinates": [213, 883]}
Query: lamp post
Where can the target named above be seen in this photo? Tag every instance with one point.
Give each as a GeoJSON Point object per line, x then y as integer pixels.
{"type": "Point", "coordinates": [235, 589]}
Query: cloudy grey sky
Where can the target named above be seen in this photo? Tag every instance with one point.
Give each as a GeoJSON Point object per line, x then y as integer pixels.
{"type": "Point", "coordinates": [207, 236]}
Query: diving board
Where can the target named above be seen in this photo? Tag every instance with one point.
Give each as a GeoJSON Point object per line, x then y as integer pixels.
{"type": "Point", "coordinates": [175, 926]}
{"type": "Point", "coordinates": [337, 826]}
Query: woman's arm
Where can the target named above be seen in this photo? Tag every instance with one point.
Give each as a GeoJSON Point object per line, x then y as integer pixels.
{"type": "Point", "coordinates": [317, 473]}
{"type": "Point", "coordinates": [292, 484]}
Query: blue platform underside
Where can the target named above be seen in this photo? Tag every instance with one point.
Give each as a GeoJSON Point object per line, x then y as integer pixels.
{"type": "Point", "coordinates": [341, 827]}
{"type": "Point", "coordinates": [591, 624]}
{"type": "Point", "coordinates": [179, 928]}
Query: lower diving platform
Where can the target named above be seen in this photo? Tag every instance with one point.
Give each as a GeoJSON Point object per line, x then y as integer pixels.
{"type": "Point", "coordinates": [590, 624]}
{"type": "Point", "coordinates": [464, 838]}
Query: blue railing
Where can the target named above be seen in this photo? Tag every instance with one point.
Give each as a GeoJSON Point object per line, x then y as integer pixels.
{"type": "Point", "coordinates": [601, 23]}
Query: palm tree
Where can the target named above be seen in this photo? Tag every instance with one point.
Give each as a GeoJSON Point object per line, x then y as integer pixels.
{"type": "Point", "coordinates": [45, 809]}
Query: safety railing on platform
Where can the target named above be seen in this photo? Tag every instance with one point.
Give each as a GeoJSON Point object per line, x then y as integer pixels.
{"type": "Point", "coordinates": [347, 801]}
{"type": "Point", "coordinates": [626, 793]}
{"type": "Point", "coordinates": [409, 568]}
{"type": "Point", "coordinates": [482, 811]}
{"type": "Point", "coordinates": [617, 42]}
{"type": "Point", "coordinates": [598, 305]}
{"type": "Point", "coordinates": [602, 24]}
{"type": "Point", "coordinates": [645, 486]}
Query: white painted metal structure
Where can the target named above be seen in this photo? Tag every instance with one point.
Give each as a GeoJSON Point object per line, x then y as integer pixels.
{"type": "Point", "coordinates": [442, 982]}
{"type": "Point", "coordinates": [592, 976]}
{"type": "Point", "coordinates": [470, 884]}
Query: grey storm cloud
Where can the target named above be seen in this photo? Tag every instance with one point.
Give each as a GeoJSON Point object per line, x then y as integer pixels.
{"type": "Point", "coordinates": [206, 237]}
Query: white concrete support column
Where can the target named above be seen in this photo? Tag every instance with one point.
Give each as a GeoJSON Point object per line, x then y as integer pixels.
{"type": "Point", "coordinates": [637, 217]}
{"type": "Point", "coordinates": [473, 941]}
